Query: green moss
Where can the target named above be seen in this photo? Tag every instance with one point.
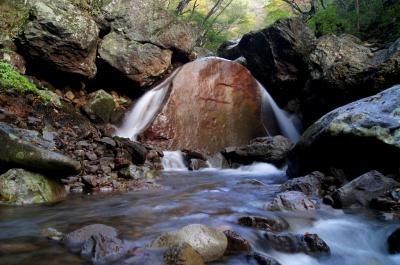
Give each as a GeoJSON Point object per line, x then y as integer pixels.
{"type": "Point", "coordinates": [13, 16]}
{"type": "Point", "coordinates": [12, 80]}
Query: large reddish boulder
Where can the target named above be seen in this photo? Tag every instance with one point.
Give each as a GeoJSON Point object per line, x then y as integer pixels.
{"type": "Point", "coordinates": [213, 103]}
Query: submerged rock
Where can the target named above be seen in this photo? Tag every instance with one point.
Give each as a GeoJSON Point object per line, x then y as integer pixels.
{"type": "Point", "coordinates": [266, 149]}
{"type": "Point", "coordinates": [28, 149]}
{"type": "Point", "coordinates": [143, 63]}
{"type": "Point", "coordinates": [361, 191]}
{"type": "Point", "coordinates": [355, 138]}
{"type": "Point", "coordinates": [268, 223]}
{"type": "Point", "coordinates": [291, 201]}
{"type": "Point", "coordinates": [62, 36]}
{"type": "Point", "coordinates": [277, 56]}
{"type": "Point", "coordinates": [310, 244]}
{"type": "Point", "coordinates": [209, 242]}
{"type": "Point", "coordinates": [213, 103]}
{"type": "Point", "coordinates": [100, 106]}
{"type": "Point", "coordinates": [101, 249]}
{"type": "Point", "coordinates": [21, 187]}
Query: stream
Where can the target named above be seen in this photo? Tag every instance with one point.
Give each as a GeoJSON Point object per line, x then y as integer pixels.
{"type": "Point", "coordinates": [213, 197]}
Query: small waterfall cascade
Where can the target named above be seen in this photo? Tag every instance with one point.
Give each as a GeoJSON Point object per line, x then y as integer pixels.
{"type": "Point", "coordinates": [173, 161]}
{"type": "Point", "coordinates": [145, 109]}
{"type": "Point", "coordinates": [284, 122]}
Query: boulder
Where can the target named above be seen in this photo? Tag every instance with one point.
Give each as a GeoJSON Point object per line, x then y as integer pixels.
{"type": "Point", "coordinates": [147, 22]}
{"type": "Point", "coordinates": [21, 187]}
{"type": "Point", "coordinates": [182, 254]}
{"type": "Point", "coordinates": [394, 242]}
{"type": "Point", "coordinates": [229, 50]}
{"type": "Point", "coordinates": [361, 191]}
{"type": "Point", "coordinates": [310, 244]}
{"type": "Point", "coordinates": [28, 149]}
{"type": "Point", "coordinates": [355, 138]}
{"type": "Point", "coordinates": [209, 242]}
{"type": "Point", "coordinates": [309, 185]}
{"type": "Point", "coordinates": [268, 223]}
{"type": "Point", "coordinates": [76, 239]}
{"type": "Point", "coordinates": [277, 57]}
{"type": "Point", "coordinates": [212, 104]}
{"type": "Point", "coordinates": [266, 149]}
{"type": "Point", "coordinates": [388, 202]}
{"type": "Point", "coordinates": [100, 106]}
{"type": "Point", "coordinates": [62, 36]}
{"type": "Point", "coordinates": [136, 151]}
{"type": "Point", "coordinates": [290, 201]}
{"type": "Point", "coordinates": [236, 243]}
{"type": "Point", "coordinates": [143, 63]}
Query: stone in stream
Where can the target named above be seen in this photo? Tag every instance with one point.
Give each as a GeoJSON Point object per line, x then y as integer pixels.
{"type": "Point", "coordinates": [76, 239]}
{"type": "Point", "coordinates": [394, 242]}
{"type": "Point", "coordinates": [182, 254]}
{"type": "Point", "coordinates": [101, 249]}
{"type": "Point", "coordinates": [291, 201]}
{"type": "Point", "coordinates": [362, 190]}
{"type": "Point", "coordinates": [309, 185]}
{"type": "Point", "coordinates": [21, 187]}
{"type": "Point", "coordinates": [209, 242]}
{"type": "Point", "coordinates": [262, 259]}
{"type": "Point", "coordinates": [236, 243]}
{"type": "Point", "coordinates": [310, 244]}
{"type": "Point", "coordinates": [356, 138]}
{"type": "Point", "coordinates": [62, 36]}
{"type": "Point", "coordinates": [264, 149]}
{"type": "Point", "coordinates": [100, 106]}
{"type": "Point", "coordinates": [268, 223]}
{"type": "Point", "coordinates": [26, 148]}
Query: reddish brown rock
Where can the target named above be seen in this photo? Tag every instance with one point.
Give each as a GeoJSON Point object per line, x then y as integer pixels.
{"type": "Point", "coordinates": [213, 103]}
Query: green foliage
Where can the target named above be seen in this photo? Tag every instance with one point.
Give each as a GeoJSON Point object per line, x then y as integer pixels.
{"type": "Point", "coordinates": [10, 79]}
{"type": "Point", "coordinates": [277, 9]}
{"type": "Point", "coordinates": [327, 21]}
{"type": "Point", "coordinates": [13, 16]}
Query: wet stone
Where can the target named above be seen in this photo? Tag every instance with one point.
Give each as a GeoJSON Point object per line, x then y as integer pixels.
{"type": "Point", "coordinates": [236, 243]}
{"type": "Point", "coordinates": [268, 223]}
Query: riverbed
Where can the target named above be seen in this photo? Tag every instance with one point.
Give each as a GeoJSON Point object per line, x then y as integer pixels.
{"type": "Point", "coordinates": [213, 197]}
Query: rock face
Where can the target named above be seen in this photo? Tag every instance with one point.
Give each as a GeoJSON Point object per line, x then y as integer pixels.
{"type": "Point", "coordinates": [356, 138]}
{"type": "Point", "coordinates": [360, 191]}
{"type": "Point", "coordinates": [209, 242]}
{"type": "Point", "coordinates": [291, 201]}
{"type": "Point", "coordinates": [100, 106]}
{"type": "Point", "coordinates": [310, 244]}
{"type": "Point", "coordinates": [21, 187]}
{"type": "Point", "coordinates": [61, 36]}
{"type": "Point", "coordinates": [143, 63]}
{"type": "Point", "coordinates": [213, 103]}
{"type": "Point", "coordinates": [28, 149]}
{"type": "Point", "coordinates": [277, 56]}
{"type": "Point", "coordinates": [266, 149]}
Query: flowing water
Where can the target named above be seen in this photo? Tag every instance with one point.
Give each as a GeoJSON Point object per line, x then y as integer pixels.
{"type": "Point", "coordinates": [213, 197]}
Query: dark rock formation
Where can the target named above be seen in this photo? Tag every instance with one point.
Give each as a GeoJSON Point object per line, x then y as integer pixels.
{"type": "Point", "coordinates": [309, 185]}
{"type": "Point", "coordinates": [394, 242]}
{"type": "Point", "coordinates": [268, 223]}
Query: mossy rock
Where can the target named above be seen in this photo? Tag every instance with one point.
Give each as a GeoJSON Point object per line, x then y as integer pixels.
{"type": "Point", "coordinates": [100, 106]}
{"type": "Point", "coordinates": [21, 187]}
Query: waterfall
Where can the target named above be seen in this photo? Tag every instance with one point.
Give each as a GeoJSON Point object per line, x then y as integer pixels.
{"type": "Point", "coordinates": [145, 109]}
{"type": "Point", "coordinates": [286, 125]}
{"type": "Point", "coordinates": [173, 161]}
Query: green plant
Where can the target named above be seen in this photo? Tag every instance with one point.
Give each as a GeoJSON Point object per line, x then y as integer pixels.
{"type": "Point", "coordinates": [13, 16]}
{"type": "Point", "coordinates": [12, 80]}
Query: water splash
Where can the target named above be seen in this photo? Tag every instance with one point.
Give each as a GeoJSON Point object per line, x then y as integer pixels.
{"type": "Point", "coordinates": [173, 161]}
{"type": "Point", "coordinates": [286, 125]}
{"type": "Point", "coordinates": [145, 110]}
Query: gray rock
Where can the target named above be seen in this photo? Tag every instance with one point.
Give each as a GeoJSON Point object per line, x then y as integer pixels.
{"type": "Point", "coordinates": [361, 191]}
{"type": "Point", "coordinates": [103, 249]}
{"type": "Point", "coordinates": [28, 149]}
{"type": "Point", "coordinates": [141, 62]}
{"type": "Point", "coordinates": [262, 259]}
{"type": "Point", "coordinates": [77, 238]}
{"type": "Point", "coordinates": [62, 36]}
{"type": "Point", "coordinates": [309, 185]}
{"type": "Point", "coordinates": [291, 201]}
{"type": "Point", "coordinates": [266, 149]}
{"type": "Point", "coordinates": [209, 242]}
{"type": "Point", "coordinates": [268, 223]}
{"type": "Point", "coordinates": [21, 187]}
{"type": "Point", "coordinates": [100, 106]}
{"type": "Point", "coordinates": [355, 138]}
{"type": "Point", "coordinates": [310, 244]}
